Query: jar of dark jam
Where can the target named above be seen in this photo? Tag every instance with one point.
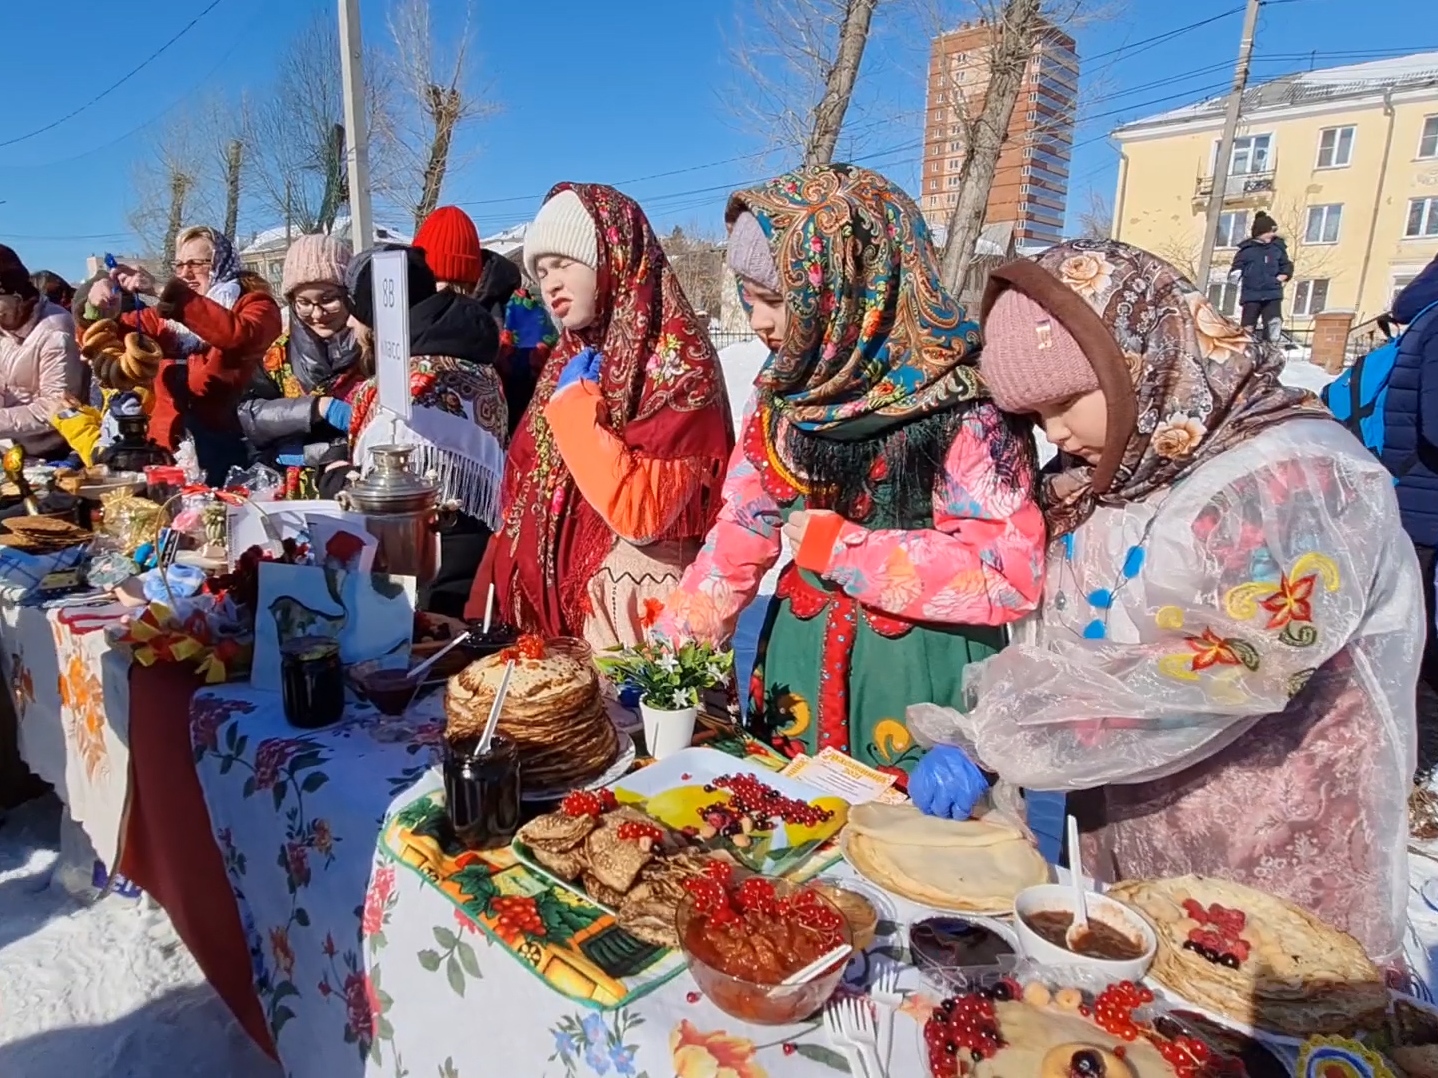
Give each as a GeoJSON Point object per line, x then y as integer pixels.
{"type": "Point", "coordinates": [482, 792]}
{"type": "Point", "coordinates": [312, 681]}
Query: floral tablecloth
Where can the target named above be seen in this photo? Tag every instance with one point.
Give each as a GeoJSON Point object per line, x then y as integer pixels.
{"type": "Point", "coordinates": [365, 968]}
{"type": "Point", "coordinates": [71, 692]}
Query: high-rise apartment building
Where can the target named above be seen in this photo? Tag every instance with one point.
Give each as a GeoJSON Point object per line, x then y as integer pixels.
{"type": "Point", "coordinates": [1030, 189]}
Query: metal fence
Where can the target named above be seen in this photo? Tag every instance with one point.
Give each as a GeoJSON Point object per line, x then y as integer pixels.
{"type": "Point", "coordinates": [724, 338]}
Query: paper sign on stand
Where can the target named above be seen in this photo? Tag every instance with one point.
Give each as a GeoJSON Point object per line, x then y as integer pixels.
{"type": "Point", "coordinates": [391, 331]}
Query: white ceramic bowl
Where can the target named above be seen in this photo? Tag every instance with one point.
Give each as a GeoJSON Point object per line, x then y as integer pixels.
{"type": "Point", "coordinates": [1053, 896]}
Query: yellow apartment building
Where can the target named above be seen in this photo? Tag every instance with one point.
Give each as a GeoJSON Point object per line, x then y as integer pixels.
{"type": "Point", "coordinates": [1344, 159]}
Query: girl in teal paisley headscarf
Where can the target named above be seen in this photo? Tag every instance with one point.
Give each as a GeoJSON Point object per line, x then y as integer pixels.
{"type": "Point", "coordinates": [870, 443]}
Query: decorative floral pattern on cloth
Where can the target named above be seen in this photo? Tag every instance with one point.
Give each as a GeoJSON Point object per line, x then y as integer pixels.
{"type": "Point", "coordinates": [983, 556]}
{"type": "Point", "coordinates": [575, 947]}
{"type": "Point", "coordinates": [72, 700]}
{"type": "Point", "coordinates": [1259, 664]}
{"type": "Point", "coordinates": [366, 967]}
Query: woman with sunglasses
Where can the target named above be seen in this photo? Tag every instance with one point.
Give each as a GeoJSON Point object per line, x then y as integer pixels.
{"type": "Point", "coordinates": [296, 415]}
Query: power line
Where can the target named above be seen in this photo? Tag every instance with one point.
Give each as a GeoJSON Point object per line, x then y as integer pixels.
{"type": "Point", "coordinates": [240, 39]}
{"type": "Point", "coordinates": [1159, 39]}
{"type": "Point", "coordinates": [118, 82]}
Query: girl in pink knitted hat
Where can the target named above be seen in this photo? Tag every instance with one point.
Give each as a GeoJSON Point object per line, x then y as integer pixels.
{"type": "Point", "coordinates": [1226, 653]}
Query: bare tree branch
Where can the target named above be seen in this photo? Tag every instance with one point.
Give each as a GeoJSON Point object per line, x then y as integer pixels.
{"type": "Point", "coordinates": [978, 104]}
{"type": "Point", "coordinates": [297, 131]}
{"type": "Point", "coordinates": [1095, 217]}
{"type": "Point", "coordinates": [173, 184]}
{"type": "Point", "coordinates": [1016, 30]}
{"type": "Point", "coordinates": [433, 97]}
{"type": "Point", "coordinates": [797, 63]}
{"type": "Point", "coordinates": [698, 261]}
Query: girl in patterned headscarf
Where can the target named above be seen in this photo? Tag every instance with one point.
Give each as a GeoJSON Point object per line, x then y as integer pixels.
{"type": "Point", "coordinates": [614, 473]}
{"type": "Point", "coordinates": [1232, 615]}
{"type": "Point", "coordinates": [871, 445]}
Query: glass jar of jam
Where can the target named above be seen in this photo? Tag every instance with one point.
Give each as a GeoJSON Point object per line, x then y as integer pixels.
{"type": "Point", "coordinates": [482, 791]}
{"type": "Point", "coordinates": [312, 681]}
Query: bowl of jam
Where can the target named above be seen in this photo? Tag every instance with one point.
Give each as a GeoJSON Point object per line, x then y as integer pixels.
{"type": "Point", "coordinates": [389, 688]}
{"type": "Point", "coordinates": [482, 644]}
{"type": "Point", "coordinates": [743, 937]}
{"type": "Point", "coordinates": [1118, 945]}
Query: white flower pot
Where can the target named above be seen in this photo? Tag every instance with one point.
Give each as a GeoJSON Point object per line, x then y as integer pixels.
{"type": "Point", "coordinates": [667, 730]}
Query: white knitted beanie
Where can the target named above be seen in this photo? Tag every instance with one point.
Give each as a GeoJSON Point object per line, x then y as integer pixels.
{"type": "Point", "coordinates": [562, 227]}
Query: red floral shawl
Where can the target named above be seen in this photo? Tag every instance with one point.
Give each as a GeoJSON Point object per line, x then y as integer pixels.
{"type": "Point", "coordinates": [665, 399]}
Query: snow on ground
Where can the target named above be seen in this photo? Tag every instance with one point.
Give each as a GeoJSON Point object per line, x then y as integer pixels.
{"type": "Point", "coordinates": [107, 989]}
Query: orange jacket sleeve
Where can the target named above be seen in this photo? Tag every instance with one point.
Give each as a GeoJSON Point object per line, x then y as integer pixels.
{"type": "Point", "coordinates": [638, 496]}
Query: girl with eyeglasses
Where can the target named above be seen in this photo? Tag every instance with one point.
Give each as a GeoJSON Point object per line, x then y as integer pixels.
{"type": "Point", "coordinates": [296, 415]}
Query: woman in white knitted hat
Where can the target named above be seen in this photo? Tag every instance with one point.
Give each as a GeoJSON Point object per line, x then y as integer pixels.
{"type": "Point", "coordinates": [614, 475]}
{"type": "Point", "coordinates": [296, 413]}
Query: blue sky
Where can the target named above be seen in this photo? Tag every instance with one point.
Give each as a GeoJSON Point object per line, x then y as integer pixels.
{"type": "Point", "coordinates": [633, 92]}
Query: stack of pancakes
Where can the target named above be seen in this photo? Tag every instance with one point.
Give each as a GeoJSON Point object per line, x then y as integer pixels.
{"type": "Point", "coordinates": [553, 713]}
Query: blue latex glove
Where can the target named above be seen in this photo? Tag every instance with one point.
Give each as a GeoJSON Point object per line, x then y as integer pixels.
{"type": "Point", "coordinates": [583, 366]}
{"type": "Point", "coordinates": [946, 783]}
{"type": "Point", "coordinates": [290, 460]}
{"type": "Point", "coordinates": [338, 414]}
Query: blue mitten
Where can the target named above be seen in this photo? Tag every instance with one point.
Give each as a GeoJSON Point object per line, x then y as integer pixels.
{"type": "Point", "coordinates": [946, 783]}
{"type": "Point", "coordinates": [338, 414]}
{"type": "Point", "coordinates": [583, 366]}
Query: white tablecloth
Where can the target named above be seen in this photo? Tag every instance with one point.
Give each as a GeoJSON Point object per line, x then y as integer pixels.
{"type": "Point", "coordinates": [72, 703]}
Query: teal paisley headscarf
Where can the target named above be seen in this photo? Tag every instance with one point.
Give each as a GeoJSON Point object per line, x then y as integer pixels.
{"type": "Point", "coordinates": [874, 340]}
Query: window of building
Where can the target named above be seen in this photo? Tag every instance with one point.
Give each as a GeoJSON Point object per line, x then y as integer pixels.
{"type": "Point", "coordinates": [1422, 218]}
{"type": "Point", "coordinates": [1335, 147]}
{"type": "Point", "coordinates": [1224, 295]}
{"type": "Point", "coordinates": [953, 181]}
{"type": "Point", "coordinates": [1250, 155]}
{"type": "Point", "coordinates": [1428, 143]}
{"type": "Point", "coordinates": [1310, 297]}
{"type": "Point", "coordinates": [1323, 224]}
{"type": "Point", "coordinates": [956, 147]}
{"type": "Point", "coordinates": [1401, 280]}
{"type": "Point", "coordinates": [1232, 228]}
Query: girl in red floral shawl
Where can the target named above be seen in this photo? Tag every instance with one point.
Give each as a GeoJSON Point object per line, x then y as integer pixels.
{"type": "Point", "coordinates": [613, 476]}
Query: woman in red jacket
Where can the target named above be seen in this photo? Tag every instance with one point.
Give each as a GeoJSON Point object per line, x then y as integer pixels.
{"type": "Point", "coordinates": [214, 322]}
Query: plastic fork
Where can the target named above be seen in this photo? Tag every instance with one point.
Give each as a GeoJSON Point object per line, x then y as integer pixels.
{"type": "Point", "coordinates": [834, 1026]}
{"type": "Point", "coordinates": [885, 992]}
{"type": "Point", "coordinates": [860, 1027]}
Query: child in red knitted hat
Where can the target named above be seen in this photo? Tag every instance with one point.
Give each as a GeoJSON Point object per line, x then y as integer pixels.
{"type": "Point", "coordinates": [453, 252]}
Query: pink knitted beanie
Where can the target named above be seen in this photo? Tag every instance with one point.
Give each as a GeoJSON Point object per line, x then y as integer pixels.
{"type": "Point", "coordinates": [1029, 358]}
{"type": "Point", "coordinates": [313, 260]}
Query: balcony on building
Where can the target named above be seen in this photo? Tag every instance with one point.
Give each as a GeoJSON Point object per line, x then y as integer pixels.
{"type": "Point", "coordinates": [1240, 187]}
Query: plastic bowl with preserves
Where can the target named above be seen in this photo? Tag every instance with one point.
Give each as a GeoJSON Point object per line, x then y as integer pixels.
{"type": "Point", "coordinates": [758, 997]}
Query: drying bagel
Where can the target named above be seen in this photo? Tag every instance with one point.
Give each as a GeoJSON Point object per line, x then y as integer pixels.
{"type": "Point", "coordinates": [141, 360]}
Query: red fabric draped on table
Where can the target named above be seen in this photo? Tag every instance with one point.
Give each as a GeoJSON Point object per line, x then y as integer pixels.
{"type": "Point", "coordinates": [169, 848]}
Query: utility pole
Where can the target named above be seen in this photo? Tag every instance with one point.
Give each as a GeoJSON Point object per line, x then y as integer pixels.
{"type": "Point", "coordinates": [1225, 144]}
{"type": "Point", "coordinates": [357, 142]}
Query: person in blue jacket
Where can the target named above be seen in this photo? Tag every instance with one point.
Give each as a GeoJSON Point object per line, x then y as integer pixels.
{"type": "Point", "coordinates": [1410, 444]}
{"type": "Point", "coordinates": [1263, 265]}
